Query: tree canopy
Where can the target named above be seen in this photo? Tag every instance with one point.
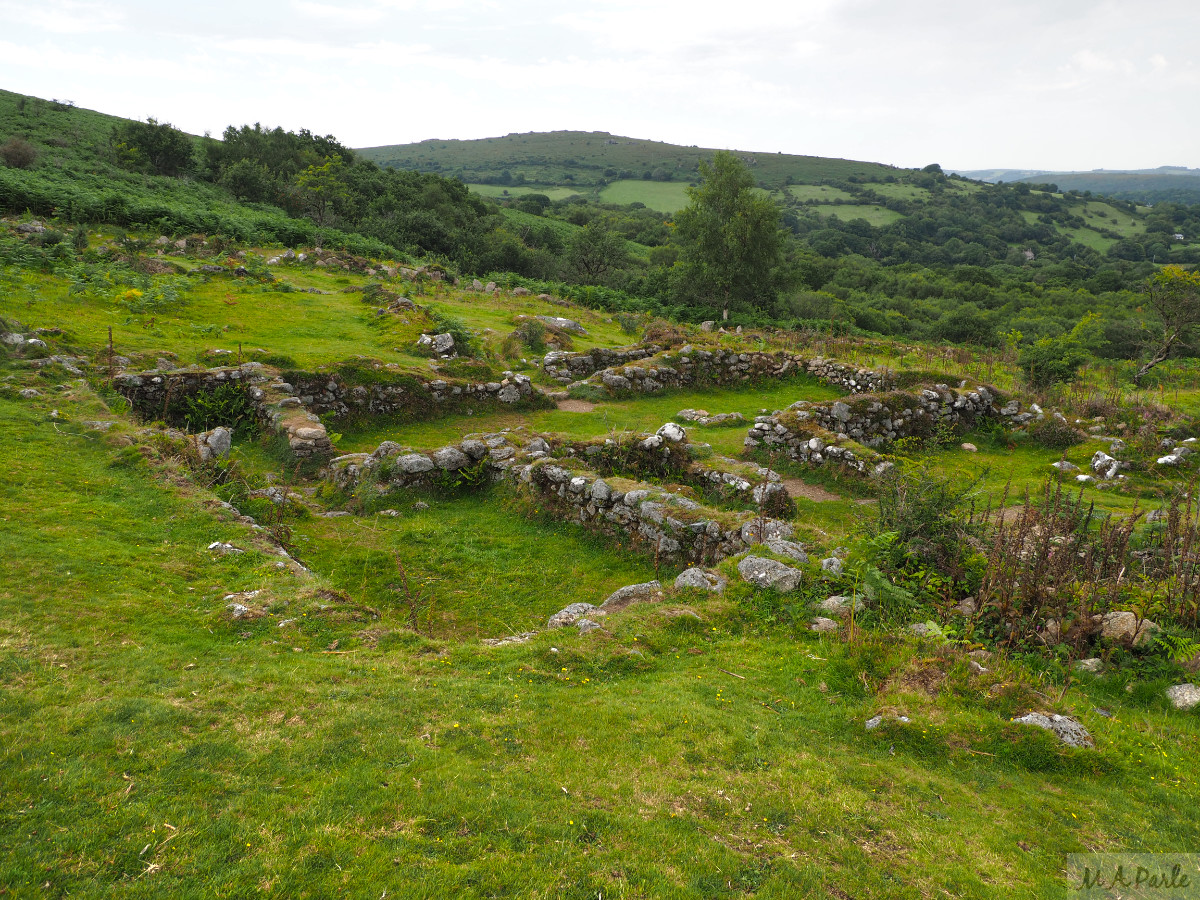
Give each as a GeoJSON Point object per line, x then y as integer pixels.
{"type": "Point", "coordinates": [731, 246]}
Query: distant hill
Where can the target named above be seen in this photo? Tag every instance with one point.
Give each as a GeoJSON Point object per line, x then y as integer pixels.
{"type": "Point", "coordinates": [1176, 184]}
{"type": "Point", "coordinates": [590, 160]}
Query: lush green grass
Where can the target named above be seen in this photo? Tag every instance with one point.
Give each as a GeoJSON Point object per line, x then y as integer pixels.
{"type": "Point", "coordinates": [817, 192]}
{"type": "Point", "coordinates": [901, 191]}
{"type": "Point", "coordinates": [875, 215]}
{"type": "Point", "coordinates": [635, 415]}
{"type": "Point", "coordinates": [222, 313]}
{"type": "Point", "coordinates": [499, 191]}
{"type": "Point", "coordinates": [664, 196]}
{"type": "Point", "coordinates": [150, 745]}
{"type": "Point", "coordinates": [153, 747]}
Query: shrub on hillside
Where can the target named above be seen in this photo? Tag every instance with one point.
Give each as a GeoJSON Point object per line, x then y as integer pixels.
{"type": "Point", "coordinates": [1055, 434]}
{"type": "Point", "coordinates": [18, 153]}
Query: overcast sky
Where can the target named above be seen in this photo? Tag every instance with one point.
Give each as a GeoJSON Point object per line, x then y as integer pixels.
{"type": "Point", "coordinates": [1053, 84]}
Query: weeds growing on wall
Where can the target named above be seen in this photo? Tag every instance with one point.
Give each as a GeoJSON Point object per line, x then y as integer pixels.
{"type": "Point", "coordinates": [228, 405]}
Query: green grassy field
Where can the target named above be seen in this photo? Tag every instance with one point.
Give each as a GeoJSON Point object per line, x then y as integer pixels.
{"type": "Point", "coordinates": [875, 215]}
{"type": "Point", "coordinates": [818, 192]}
{"type": "Point", "coordinates": [901, 191]}
{"type": "Point", "coordinates": [498, 191]}
{"type": "Point", "coordinates": [668, 196]}
{"type": "Point", "coordinates": [353, 736]}
{"type": "Point", "coordinates": [153, 746]}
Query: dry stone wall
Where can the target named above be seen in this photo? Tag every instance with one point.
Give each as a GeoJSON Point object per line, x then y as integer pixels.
{"type": "Point", "coordinates": [406, 394]}
{"type": "Point", "coordinates": [648, 370]}
{"type": "Point", "coordinates": [655, 519]}
{"type": "Point", "coordinates": [846, 431]}
{"type": "Point", "coordinates": [161, 395]}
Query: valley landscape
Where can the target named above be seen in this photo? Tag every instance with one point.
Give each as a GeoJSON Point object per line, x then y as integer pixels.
{"type": "Point", "coordinates": [570, 515]}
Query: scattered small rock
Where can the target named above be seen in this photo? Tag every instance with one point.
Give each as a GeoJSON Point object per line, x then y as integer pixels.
{"type": "Point", "coordinates": [571, 614]}
{"type": "Point", "coordinates": [1183, 696]}
{"type": "Point", "coordinates": [822, 624]}
{"type": "Point", "coordinates": [832, 565]}
{"type": "Point", "coordinates": [1066, 729]}
{"type": "Point", "coordinates": [924, 629]}
{"type": "Point", "coordinates": [223, 548]}
{"type": "Point", "coordinates": [1094, 665]}
{"type": "Point", "coordinates": [521, 638]}
{"type": "Point", "coordinates": [631, 593]}
{"type": "Point", "coordinates": [875, 721]}
{"type": "Point", "coordinates": [839, 606]}
{"type": "Point", "coordinates": [701, 580]}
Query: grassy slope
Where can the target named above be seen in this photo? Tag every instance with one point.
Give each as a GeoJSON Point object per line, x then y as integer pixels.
{"type": "Point", "coordinates": [629, 762]}
{"type": "Point", "coordinates": [151, 746]}
{"type": "Point", "coordinates": [540, 158]}
{"type": "Point", "coordinates": [62, 135]}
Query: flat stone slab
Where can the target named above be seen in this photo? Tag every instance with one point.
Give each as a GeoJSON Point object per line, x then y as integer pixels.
{"type": "Point", "coordinates": [632, 593]}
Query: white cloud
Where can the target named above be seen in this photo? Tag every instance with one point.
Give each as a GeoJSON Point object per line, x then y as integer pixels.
{"type": "Point", "coordinates": [1014, 82]}
{"type": "Point", "coordinates": [63, 16]}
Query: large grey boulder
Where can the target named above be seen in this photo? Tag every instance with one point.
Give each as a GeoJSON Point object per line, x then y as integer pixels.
{"type": "Point", "coordinates": [672, 432]}
{"type": "Point", "coordinates": [443, 343]}
{"type": "Point", "coordinates": [759, 532]}
{"type": "Point", "coordinates": [564, 324]}
{"type": "Point", "coordinates": [450, 458]}
{"type": "Point", "coordinates": [1065, 729]}
{"type": "Point", "coordinates": [414, 463]}
{"type": "Point", "coordinates": [769, 573]}
{"type": "Point", "coordinates": [214, 444]}
{"type": "Point", "coordinates": [1124, 628]}
{"type": "Point", "coordinates": [475, 449]}
{"type": "Point", "coordinates": [700, 580]}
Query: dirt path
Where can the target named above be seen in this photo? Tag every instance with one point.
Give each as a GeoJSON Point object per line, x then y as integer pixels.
{"type": "Point", "coordinates": [797, 488]}
{"type": "Point", "coordinates": [576, 405]}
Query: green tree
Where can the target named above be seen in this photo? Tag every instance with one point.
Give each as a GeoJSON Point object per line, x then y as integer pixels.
{"type": "Point", "coordinates": [322, 189]}
{"type": "Point", "coordinates": [731, 246]}
{"type": "Point", "coordinates": [152, 146]}
{"type": "Point", "coordinates": [1174, 294]}
{"type": "Point", "coordinates": [1053, 360]}
{"type": "Point", "coordinates": [595, 251]}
